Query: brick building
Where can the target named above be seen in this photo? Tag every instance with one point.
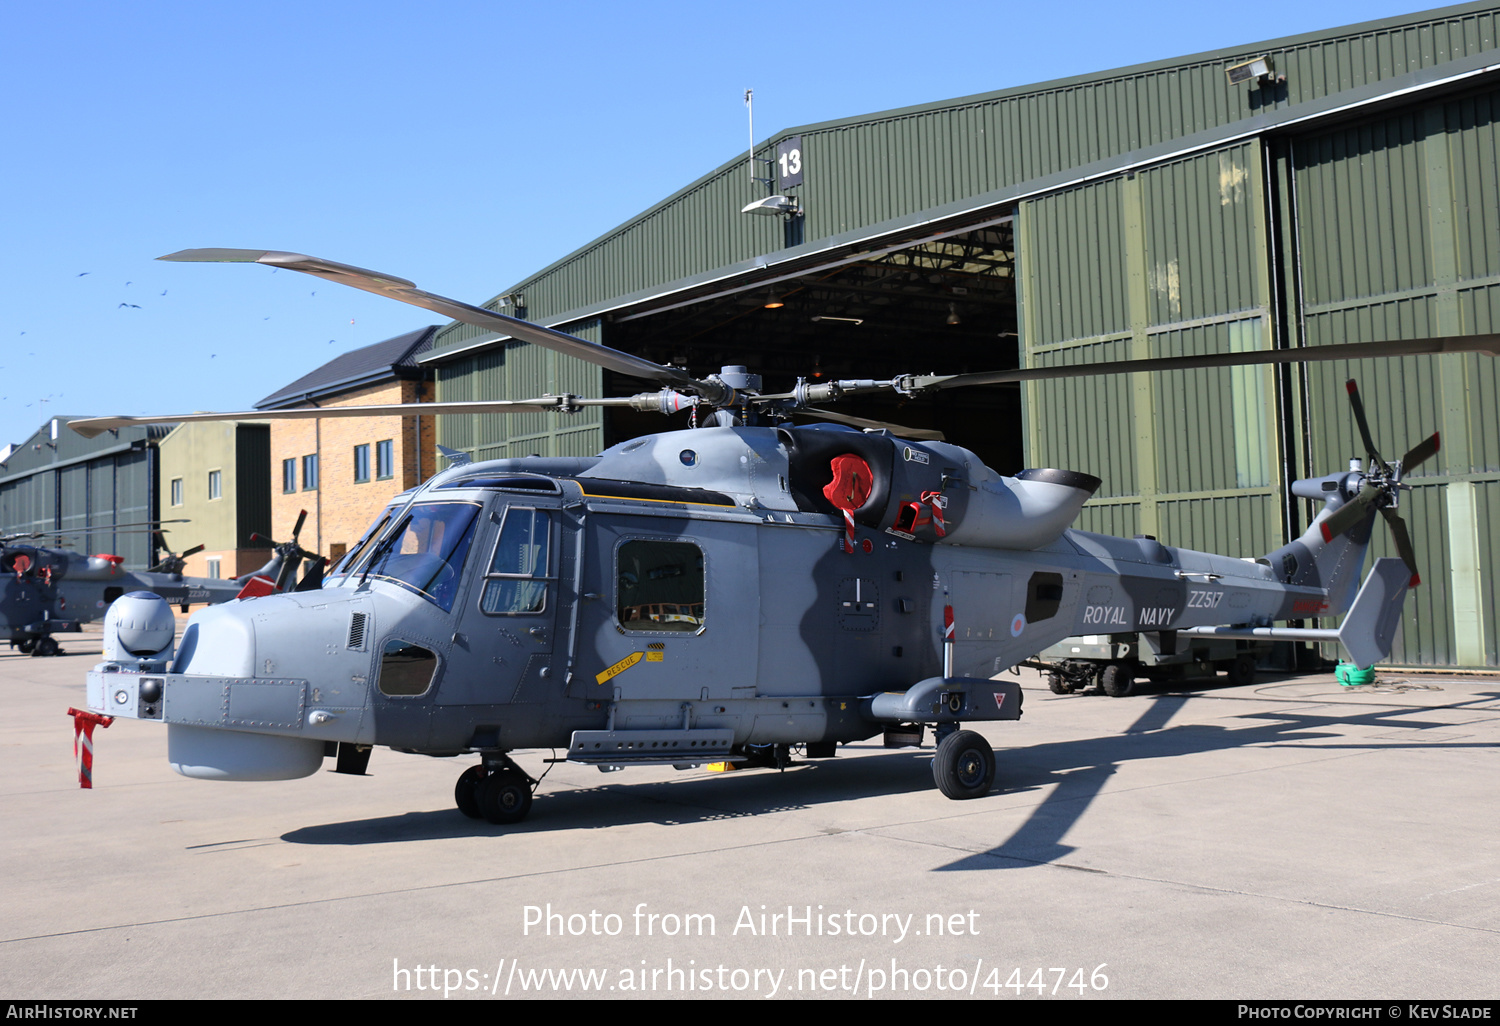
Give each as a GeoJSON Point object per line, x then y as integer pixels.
{"type": "Point", "coordinates": [343, 470]}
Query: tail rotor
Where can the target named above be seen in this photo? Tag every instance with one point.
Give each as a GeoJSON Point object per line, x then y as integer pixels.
{"type": "Point", "coordinates": [1381, 488]}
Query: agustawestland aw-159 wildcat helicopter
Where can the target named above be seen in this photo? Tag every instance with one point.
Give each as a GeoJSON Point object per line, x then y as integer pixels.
{"type": "Point", "coordinates": [46, 591]}
{"type": "Point", "coordinates": [720, 593]}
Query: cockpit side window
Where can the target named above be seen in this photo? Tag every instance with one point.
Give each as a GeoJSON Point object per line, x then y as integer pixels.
{"type": "Point", "coordinates": [521, 567]}
{"type": "Point", "coordinates": [659, 586]}
{"type": "Point", "coordinates": [353, 556]}
{"type": "Point", "coordinates": [427, 550]}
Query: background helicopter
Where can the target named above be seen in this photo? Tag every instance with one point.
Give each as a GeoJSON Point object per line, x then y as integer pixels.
{"type": "Point", "coordinates": [714, 594]}
{"type": "Point", "coordinates": [46, 591]}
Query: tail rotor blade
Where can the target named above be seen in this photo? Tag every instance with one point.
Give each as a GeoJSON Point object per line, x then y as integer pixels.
{"type": "Point", "coordinates": [1351, 513]}
{"type": "Point", "coordinates": [1403, 542]}
{"type": "Point", "coordinates": [301, 519]}
{"type": "Point", "coordinates": [1359, 420]}
{"type": "Point", "coordinates": [193, 551]}
{"type": "Point", "coordinates": [1420, 453]}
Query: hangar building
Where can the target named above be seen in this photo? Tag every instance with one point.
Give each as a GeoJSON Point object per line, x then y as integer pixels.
{"type": "Point", "coordinates": [1329, 188]}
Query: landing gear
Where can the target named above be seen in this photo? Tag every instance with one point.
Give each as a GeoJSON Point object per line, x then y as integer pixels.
{"type": "Point", "coordinates": [964, 765]}
{"type": "Point", "coordinates": [26, 645]}
{"type": "Point", "coordinates": [46, 645]}
{"type": "Point", "coordinates": [465, 791]}
{"type": "Point", "coordinates": [504, 797]}
{"type": "Point", "coordinates": [500, 793]}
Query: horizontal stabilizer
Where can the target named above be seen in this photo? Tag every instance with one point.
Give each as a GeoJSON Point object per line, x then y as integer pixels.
{"type": "Point", "coordinates": [1368, 630]}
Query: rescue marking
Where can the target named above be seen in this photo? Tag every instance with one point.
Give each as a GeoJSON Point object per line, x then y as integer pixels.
{"type": "Point", "coordinates": [619, 668]}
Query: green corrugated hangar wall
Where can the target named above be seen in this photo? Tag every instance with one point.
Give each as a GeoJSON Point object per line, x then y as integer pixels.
{"type": "Point", "coordinates": [1157, 210]}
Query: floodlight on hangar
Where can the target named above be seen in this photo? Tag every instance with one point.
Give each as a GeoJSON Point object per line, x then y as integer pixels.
{"type": "Point", "coordinates": [773, 206]}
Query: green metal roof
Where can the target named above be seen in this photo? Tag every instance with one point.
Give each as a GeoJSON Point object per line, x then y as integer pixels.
{"type": "Point", "coordinates": [875, 174]}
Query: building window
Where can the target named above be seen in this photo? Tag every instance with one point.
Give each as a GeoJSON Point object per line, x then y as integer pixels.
{"type": "Point", "coordinates": [361, 463]}
{"type": "Point", "coordinates": [177, 491]}
{"type": "Point", "coordinates": [310, 473]}
{"type": "Point", "coordinates": [213, 567]}
{"type": "Point", "coordinates": [215, 484]}
{"type": "Point", "coordinates": [385, 459]}
{"type": "Point", "coordinates": [288, 475]}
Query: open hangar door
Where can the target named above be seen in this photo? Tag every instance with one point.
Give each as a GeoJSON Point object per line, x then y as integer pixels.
{"type": "Point", "coordinates": [1395, 226]}
{"type": "Point", "coordinates": [941, 306]}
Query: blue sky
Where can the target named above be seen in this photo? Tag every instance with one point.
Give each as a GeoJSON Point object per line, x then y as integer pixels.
{"type": "Point", "coordinates": [461, 145]}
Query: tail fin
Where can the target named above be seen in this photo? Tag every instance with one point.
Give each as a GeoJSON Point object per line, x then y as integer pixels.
{"type": "Point", "coordinates": [1370, 628]}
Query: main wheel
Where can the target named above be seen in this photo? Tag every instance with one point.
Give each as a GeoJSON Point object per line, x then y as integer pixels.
{"type": "Point", "coordinates": [964, 765]}
{"type": "Point", "coordinates": [1242, 670]}
{"type": "Point", "coordinates": [1117, 680]}
{"type": "Point", "coordinates": [46, 645]}
{"type": "Point", "coordinates": [26, 645]}
{"type": "Point", "coordinates": [504, 797]}
{"type": "Point", "coordinates": [466, 792]}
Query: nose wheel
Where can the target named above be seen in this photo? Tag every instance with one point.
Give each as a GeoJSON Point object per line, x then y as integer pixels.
{"type": "Point", "coordinates": [501, 795]}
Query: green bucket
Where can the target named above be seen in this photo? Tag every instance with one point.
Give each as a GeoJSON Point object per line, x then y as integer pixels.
{"type": "Point", "coordinates": [1351, 676]}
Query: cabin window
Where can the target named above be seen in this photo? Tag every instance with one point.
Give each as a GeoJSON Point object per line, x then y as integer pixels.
{"type": "Point", "coordinates": [406, 669]}
{"type": "Point", "coordinates": [659, 586]}
{"type": "Point", "coordinates": [516, 582]}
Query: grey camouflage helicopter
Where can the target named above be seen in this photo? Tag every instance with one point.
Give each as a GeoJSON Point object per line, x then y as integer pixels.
{"type": "Point", "coordinates": [46, 591]}
{"type": "Point", "coordinates": [717, 594]}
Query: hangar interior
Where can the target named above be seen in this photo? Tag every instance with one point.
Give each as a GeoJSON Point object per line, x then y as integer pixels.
{"type": "Point", "coordinates": [1333, 187]}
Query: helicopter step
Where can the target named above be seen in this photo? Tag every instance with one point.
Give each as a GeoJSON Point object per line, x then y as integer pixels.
{"type": "Point", "coordinates": [648, 747]}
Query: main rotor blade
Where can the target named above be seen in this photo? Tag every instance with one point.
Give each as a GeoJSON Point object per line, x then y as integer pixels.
{"type": "Point", "coordinates": [88, 427]}
{"type": "Point", "coordinates": [1360, 422]}
{"type": "Point", "coordinates": [1487, 344]}
{"type": "Point", "coordinates": [1403, 542]}
{"type": "Point", "coordinates": [400, 289]}
{"type": "Point", "coordinates": [901, 430]}
{"type": "Point", "coordinates": [1420, 453]}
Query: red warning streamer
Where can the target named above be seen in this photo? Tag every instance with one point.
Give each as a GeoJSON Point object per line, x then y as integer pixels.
{"type": "Point", "coordinates": [83, 742]}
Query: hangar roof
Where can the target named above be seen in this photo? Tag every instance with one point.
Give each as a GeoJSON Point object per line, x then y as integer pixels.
{"type": "Point", "coordinates": [890, 180]}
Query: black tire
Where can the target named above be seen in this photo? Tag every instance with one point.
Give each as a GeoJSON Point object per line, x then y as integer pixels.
{"type": "Point", "coordinates": [26, 645]}
{"type": "Point", "coordinates": [964, 765]}
{"type": "Point", "coordinates": [1117, 680]}
{"type": "Point", "coordinates": [1057, 684]}
{"type": "Point", "coordinates": [1242, 671]}
{"type": "Point", "coordinates": [46, 645]}
{"type": "Point", "coordinates": [466, 792]}
{"type": "Point", "coordinates": [504, 797]}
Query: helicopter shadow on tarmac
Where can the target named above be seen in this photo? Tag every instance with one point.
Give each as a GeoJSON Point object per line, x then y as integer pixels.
{"type": "Point", "coordinates": [743, 793]}
{"type": "Point", "coordinates": [1077, 771]}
